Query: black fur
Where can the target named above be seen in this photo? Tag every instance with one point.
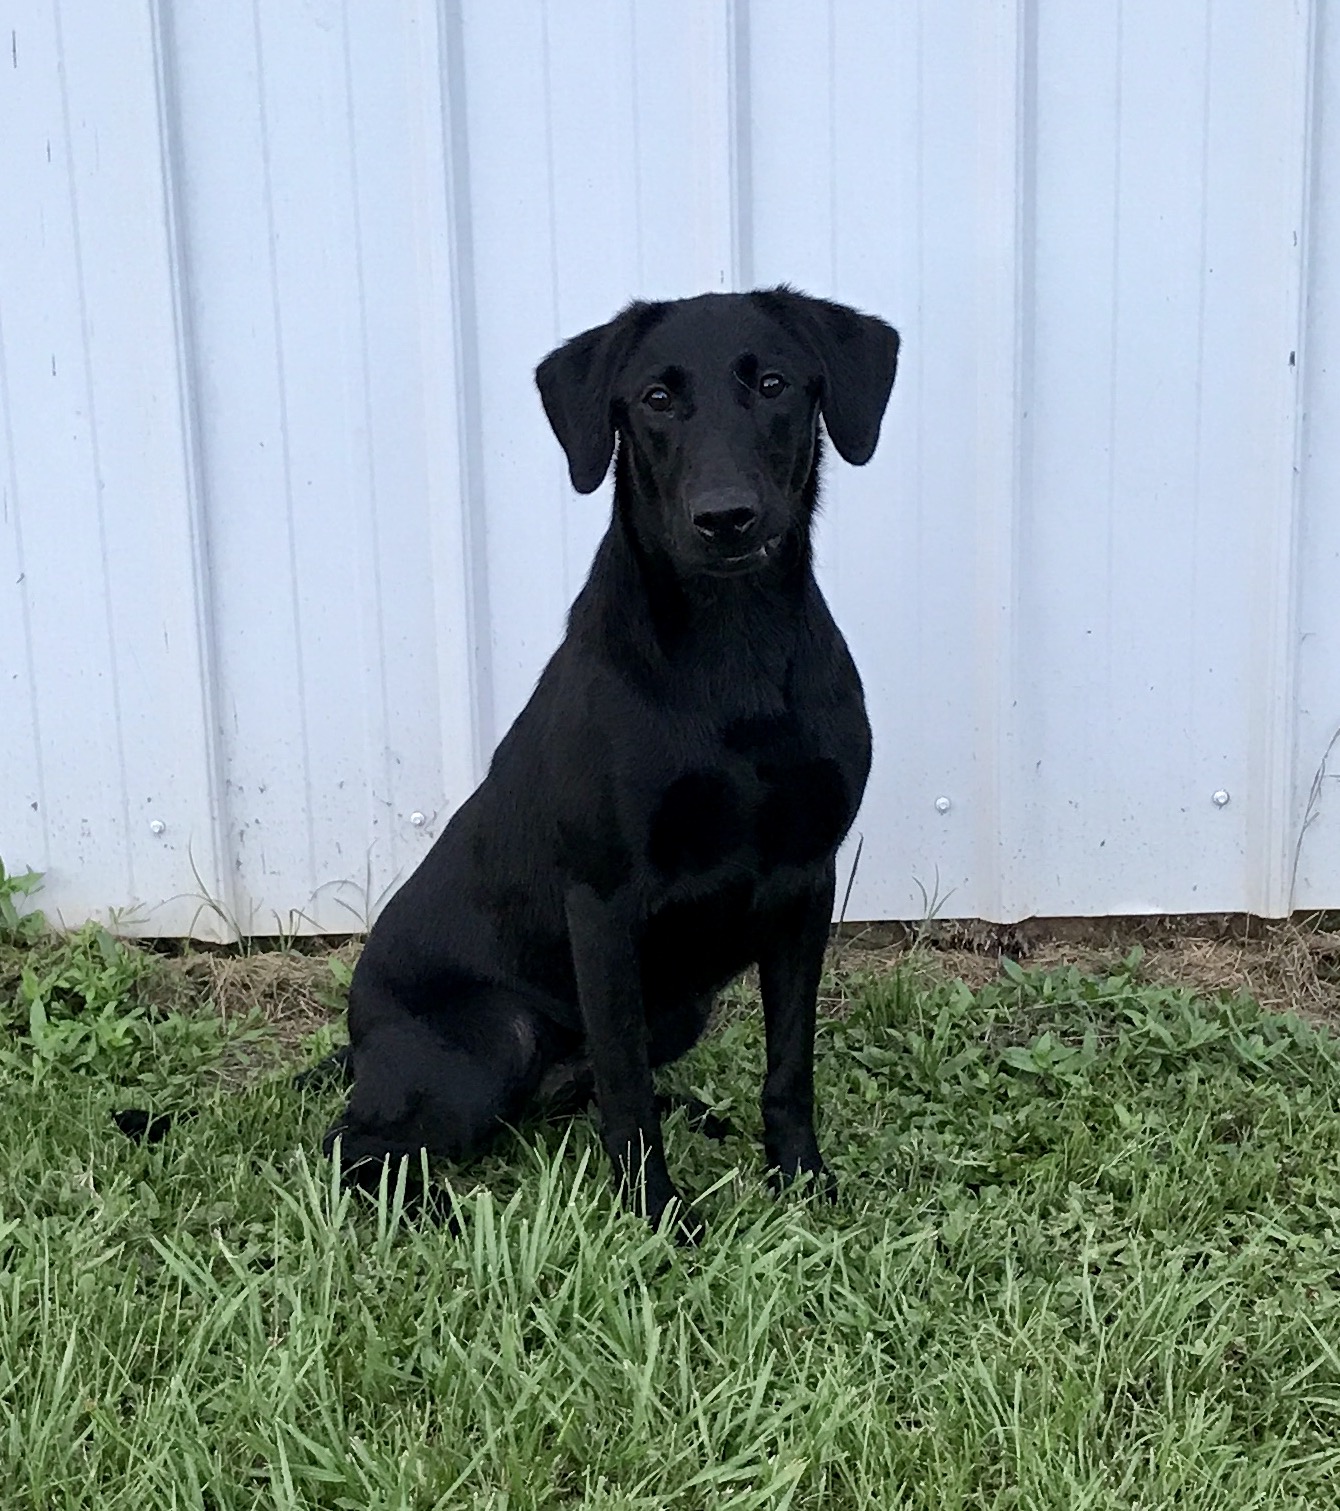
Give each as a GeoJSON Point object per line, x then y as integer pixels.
{"type": "Point", "coordinates": [666, 808]}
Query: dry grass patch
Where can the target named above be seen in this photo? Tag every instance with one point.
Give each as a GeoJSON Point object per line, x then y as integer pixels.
{"type": "Point", "coordinates": [297, 992]}
{"type": "Point", "coordinates": [1287, 965]}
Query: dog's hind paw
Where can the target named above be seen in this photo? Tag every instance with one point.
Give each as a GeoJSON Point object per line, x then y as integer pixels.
{"type": "Point", "coordinates": [335, 1070]}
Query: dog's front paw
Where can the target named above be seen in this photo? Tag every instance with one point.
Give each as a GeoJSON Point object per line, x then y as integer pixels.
{"type": "Point", "coordinates": [664, 1208]}
{"type": "Point", "coordinates": [787, 1172]}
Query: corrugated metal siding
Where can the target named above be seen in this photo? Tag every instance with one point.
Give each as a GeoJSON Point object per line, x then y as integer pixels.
{"type": "Point", "coordinates": [284, 539]}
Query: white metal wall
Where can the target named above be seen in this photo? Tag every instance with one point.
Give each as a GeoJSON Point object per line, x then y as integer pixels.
{"type": "Point", "coordinates": [284, 540]}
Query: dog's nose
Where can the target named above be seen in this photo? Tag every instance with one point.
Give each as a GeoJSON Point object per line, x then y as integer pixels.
{"type": "Point", "coordinates": [725, 518]}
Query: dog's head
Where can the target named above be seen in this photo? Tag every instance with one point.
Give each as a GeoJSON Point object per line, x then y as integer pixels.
{"type": "Point", "coordinates": [715, 402]}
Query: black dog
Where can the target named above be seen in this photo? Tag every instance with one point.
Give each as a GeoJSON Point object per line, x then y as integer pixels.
{"type": "Point", "coordinates": [666, 808]}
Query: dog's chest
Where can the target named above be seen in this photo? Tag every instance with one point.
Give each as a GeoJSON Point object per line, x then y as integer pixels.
{"type": "Point", "coordinates": [767, 791]}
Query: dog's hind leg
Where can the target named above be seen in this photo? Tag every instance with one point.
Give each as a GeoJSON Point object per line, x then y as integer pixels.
{"type": "Point", "coordinates": [447, 1084]}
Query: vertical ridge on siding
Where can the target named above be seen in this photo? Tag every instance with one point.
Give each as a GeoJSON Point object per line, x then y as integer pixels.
{"type": "Point", "coordinates": [379, 737]}
{"type": "Point", "coordinates": [1288, 792]}
{"type": "Point", "coordinates": [1315, 864]}
{"type": "Point", "coordinates": [220, 903]}
{"type": "Point", "coordinates": [449, 378]}
{"type": "Point", "coordinates": [467, 552]}
{"type": "Point", "coordinates": [300, 691]}
{"type": "Point", "coordinates": [1200, 628]}
{"type": "Point", "coordinates": [1003, 124]}
{"type": "Point", "coordinates": [714, 132]}
{"type": "Point", "coordinates": [104, 587]}
{"type": "Point", "coordinates": [738, 22]}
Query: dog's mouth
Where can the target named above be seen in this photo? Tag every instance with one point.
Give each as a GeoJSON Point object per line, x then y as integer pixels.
{"type": "Point", "coordinates": [745, 561]}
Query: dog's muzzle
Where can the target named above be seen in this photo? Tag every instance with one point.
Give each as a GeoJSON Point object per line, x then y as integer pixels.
{"type": "Point", "coordinates": [727, 522]}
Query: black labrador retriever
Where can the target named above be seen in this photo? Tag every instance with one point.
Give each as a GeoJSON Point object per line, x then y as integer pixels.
{"type": "Point", "coordinates": [666, 808]}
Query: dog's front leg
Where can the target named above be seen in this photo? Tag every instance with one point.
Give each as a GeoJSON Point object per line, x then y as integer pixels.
{"type": "Point", "coordinates": [609, 990]}
{"type": "Point", "coordinates": [789, 975]}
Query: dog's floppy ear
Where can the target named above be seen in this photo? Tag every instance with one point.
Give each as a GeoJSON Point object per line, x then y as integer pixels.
{"type": "Point", "coordinates": [858, 357]}
{"type": "Point", "coordinates": [576, 383]}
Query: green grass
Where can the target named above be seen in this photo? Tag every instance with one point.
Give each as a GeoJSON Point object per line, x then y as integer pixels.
{"type": "Point", "coordinates": [1085, 1255]}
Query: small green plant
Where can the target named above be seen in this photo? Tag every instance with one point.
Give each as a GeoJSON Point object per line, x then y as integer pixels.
{"type": "Point", "coordinates": [79, 1008]}
{"type": "Point", "coordinates": [80, 1004]}
{"type": "Point", "coordinates": [19, 928]}
{"type": "Point", "coordinates": [335, 994]}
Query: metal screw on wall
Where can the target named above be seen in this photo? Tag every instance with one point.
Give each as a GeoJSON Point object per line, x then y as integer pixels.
{"type": "Point", "coordinates": [156, 826]}
{"type": "Point", "coordinates": [943, 805]}
{"type": "Point", "coordinates": [1220, 798]}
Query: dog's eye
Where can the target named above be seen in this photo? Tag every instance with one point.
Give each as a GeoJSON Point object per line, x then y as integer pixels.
{"type": "Point", "coordinates": [771, 384]}
{"type": "Point", "coordinates": [657, 398]}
